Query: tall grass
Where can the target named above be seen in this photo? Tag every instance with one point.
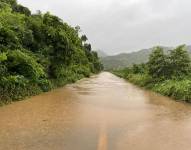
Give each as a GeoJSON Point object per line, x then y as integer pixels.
{"type": "Point", "coordinates": [178, 89]}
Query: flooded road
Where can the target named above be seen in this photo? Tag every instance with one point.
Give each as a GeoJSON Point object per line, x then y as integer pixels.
{"type": "Point", "coordinates": [100, 113]}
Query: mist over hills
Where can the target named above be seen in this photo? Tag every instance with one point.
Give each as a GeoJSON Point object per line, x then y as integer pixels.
{"type": "Point", "coordinates": [128, 59]}
{"type": "Point", "coordinates": [101, 53]}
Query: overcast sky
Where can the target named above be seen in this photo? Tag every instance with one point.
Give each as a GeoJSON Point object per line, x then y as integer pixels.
{"type": "Point", "coordinates": [116, 26]}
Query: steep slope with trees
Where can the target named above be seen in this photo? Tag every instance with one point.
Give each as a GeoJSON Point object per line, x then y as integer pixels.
{"type": "Point", "coordinates": [39, 52]}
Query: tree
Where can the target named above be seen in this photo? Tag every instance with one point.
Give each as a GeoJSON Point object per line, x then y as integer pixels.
{"type": "Point", "coordinates": [10, 2]}
{"type": "Point", "coordinates": [23, 64]}
{"type": "Point", "coordinates": [158, 65]}
{"type": "Point", "coordinates": [77, 29]}
{"type": "Point", "coordinates": [51, 20]}
{"type": "Point", "coordinates": [139, 68]}
{"type": "Point", "coordinates": [4, 6]}
{"type": "Point", "coordinates": [84, 38]}
{"type": "Point", "coordinates": [21, 9]}
{"type": "Point", "coordinates": [180, 61]}
{"type": "Point", "coordinates": [88, 47]}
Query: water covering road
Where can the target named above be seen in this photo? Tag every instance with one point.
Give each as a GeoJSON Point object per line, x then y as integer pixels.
{"type": "Point", "coordinates": [103, 112]}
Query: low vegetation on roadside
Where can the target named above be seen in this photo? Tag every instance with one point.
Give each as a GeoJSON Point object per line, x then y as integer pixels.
{"type": "Point", "coordinates": [39, 52]}
{"type": "Point", "coordinates": [168, 74]}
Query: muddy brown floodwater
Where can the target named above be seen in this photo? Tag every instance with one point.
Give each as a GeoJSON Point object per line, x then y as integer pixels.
{"type": "Point", "coordinates": [103, 112]}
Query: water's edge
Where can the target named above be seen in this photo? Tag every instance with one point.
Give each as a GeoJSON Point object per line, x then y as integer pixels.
{"type": "Point", "coordinates": [150, 89]}
{"type": "Point", "coordinates": [9, 102]}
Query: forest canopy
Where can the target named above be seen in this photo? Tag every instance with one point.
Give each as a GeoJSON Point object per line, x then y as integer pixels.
{"type": "Point", "coordinates": [40, 51]}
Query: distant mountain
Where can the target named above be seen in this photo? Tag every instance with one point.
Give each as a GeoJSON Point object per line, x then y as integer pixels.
{"type": "Point", "coordinates": [128, 59]}
{"type": "Point", "coordinates": [101, 54]}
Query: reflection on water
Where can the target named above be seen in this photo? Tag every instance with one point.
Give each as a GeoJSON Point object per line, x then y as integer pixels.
{"type": "Point", "coordinates": [100, 113]}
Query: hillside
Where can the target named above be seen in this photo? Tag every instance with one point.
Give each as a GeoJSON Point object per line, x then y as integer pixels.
{"type": "Point", "coordinates": [127, 59]}
{"type": "Point", "coordinates": [39, 52]}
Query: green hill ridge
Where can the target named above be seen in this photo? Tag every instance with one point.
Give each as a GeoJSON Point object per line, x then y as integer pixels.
{"type": "Point", "coordinates": [128, 59]}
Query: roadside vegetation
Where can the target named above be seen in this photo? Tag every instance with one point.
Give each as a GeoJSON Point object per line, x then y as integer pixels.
{"type": "Point", "coordinates": [168, 74]}
{"type": "Point", "coordinates": [39, 52]}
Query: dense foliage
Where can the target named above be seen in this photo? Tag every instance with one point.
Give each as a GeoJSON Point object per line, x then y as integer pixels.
{"type": "Point", "coordinates": [166, 73]}
{"type": "Point", "coordinates": [39, 52]}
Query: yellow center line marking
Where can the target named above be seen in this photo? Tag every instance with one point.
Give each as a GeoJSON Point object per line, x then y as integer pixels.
{"type": "Point", "coordinates": [102, 140]}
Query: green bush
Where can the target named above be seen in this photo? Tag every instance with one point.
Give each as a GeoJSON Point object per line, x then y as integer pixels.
{"type": "Point", "coordinates": [23, 64]}
{"type": "Point", "coordinates": [44, 84]}
{"type": "Point", "coordinates": [81, 70]}
{"type": "Point", "coordinates": [179, 90]}
{"type": "Point", "coordinates": [16, 87]}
